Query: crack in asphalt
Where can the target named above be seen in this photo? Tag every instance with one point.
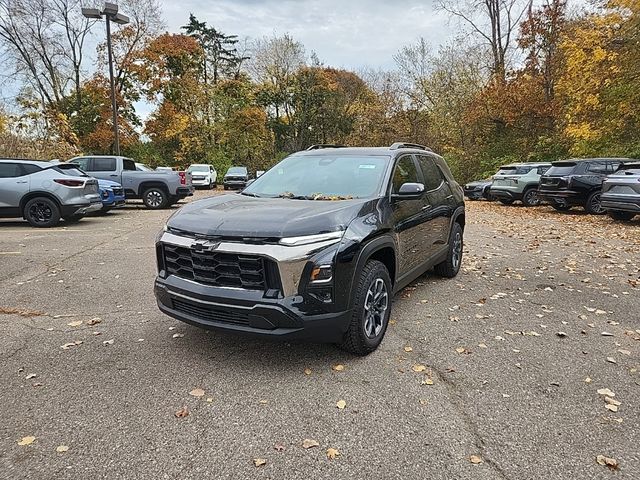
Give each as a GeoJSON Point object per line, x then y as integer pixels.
{"type": "Point", "coordinates": [455, 399]}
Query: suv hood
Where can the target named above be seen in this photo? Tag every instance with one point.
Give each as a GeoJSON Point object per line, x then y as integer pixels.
{"type": "Point", "coordinates": [108, 184]}
{"type": "Point", "coordinates": [243, 216]}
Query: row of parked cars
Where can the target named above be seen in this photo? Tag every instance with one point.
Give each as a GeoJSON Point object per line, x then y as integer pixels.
{"type": "Point", "coordinates": [43, 193]}
{"type": "Point", "coordinates": [599, 185]}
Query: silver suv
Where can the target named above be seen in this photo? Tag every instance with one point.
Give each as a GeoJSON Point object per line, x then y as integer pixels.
{"type": "Point", "coordinates": [42, 193]}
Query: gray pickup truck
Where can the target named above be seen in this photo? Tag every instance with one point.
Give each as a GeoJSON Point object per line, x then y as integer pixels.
{"type": "Point", "coordinates": [156, 189]}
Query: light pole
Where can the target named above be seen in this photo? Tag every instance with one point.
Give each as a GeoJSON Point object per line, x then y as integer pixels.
{"type": "Point", "coordinates": [110, 13]}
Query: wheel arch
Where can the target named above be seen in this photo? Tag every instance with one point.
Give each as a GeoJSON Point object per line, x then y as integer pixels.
{"type": "Point", "coordinates": [382, 249]}
{"type": "Point", "coordinates": [32, 195]}
{"type": "Point", "coordinates": [144, 186]}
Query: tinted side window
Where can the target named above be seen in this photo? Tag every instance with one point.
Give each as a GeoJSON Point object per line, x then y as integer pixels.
{"type": "Point", "coordinates": [542, 170]}
{"type": "Point", "coordinates": [104, 165]}
{"type": "Point", "coordinates": [128, 164]}
{"type": "Point", "coordinates": [612, 167]}
{"type": "Point", "coordinates": [10, 170]}
{"type": "Point", "coordinates": [432, 175]}
{"type": "Point", "coordinates": [597, 167]}
{"type": "Point", "coordinates": [404, 172]}
{"type": "Point", "coordinates": [28, 169]}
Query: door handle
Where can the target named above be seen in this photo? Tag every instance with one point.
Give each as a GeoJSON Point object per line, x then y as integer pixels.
{"type": "Point", "coordinates": [113, 175]}
{"type": "Point", "coordinates": [22, 181]}
{"type": "Point", "coordinates": [449, 197]}
{"type": "Point", "coordinates": [427, 207]}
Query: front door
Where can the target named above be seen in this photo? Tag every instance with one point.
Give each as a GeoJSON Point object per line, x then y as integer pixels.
{"type": "Point", "coordinates": [439, 205]}
{"type": "Point", "coordinates": [14, 184]}
{"type": "Point", "coordinates": [407, 216]}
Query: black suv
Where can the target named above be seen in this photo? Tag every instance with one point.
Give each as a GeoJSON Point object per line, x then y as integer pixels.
{"type": "Point", "coordinates": [577, 182]}
{"type": "Point", "coordinates": [315, 247]}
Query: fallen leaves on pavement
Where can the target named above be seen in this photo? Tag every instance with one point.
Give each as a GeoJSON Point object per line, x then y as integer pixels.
{"type": "Point", "coordinates": [183, 412]}
{"type": "Point", "coordinates": [197, 392]}
{"type": "Point", "coordinates": [332, 453]}
{"type": "Point", "coordinates": [26, 441]}
{"type": "Point", "coordinates": [309, 443]}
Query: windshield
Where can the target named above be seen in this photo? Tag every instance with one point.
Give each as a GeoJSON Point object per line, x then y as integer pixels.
{"type": "Point", "coordinates": [322, 177]}
{"type": "Point", "coordinates": [69, 169]}
{"type": "Point", "coordinates": [198, 168]}
{"type": "Point", "coordinates": [559, 169]}
{"type": "Point", "coordinates": [237, 171]}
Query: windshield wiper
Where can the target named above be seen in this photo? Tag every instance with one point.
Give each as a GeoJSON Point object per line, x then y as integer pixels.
{"type": "Point", "coordinates": [249, 194]}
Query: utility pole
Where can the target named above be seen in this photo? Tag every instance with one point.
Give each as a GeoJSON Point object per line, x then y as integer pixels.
{"type": "Point", "coordinates": [110, 13]}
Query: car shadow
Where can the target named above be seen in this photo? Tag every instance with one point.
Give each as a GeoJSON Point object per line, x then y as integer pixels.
{"type": "Point", "coordinates": [258, 353]}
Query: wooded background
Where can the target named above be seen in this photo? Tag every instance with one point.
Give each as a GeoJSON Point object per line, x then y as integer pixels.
{"type": "Point", "coordinates": [525, 81]}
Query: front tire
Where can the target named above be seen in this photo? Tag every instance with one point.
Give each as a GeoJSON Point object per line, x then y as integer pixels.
{"type": "Point", "coordinates": [155, 198]}
{"type": "Point", "coordinates": [451, 266]}
{"type": "Point", "coordinates": [621, 215]}
{"type": "Point", "coordinates": [594, 204]}
{"type": "Point", "coordinates": [41, 212]}
{"type": "Point", "coordinates": [371, 310]}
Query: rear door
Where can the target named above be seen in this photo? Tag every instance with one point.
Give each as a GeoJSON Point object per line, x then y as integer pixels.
{"type": "Point", "coordinates": [105, 168]}
{"type": "Point", "coordinates": [14, 184]}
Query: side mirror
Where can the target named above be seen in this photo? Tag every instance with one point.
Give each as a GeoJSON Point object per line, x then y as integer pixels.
{"type": "Point", "coordinates": [409, 190]}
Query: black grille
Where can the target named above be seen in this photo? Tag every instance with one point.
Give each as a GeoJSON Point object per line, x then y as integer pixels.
{"type": "Point", "coordinates": [216, 268]}
{"type": "Point", "coordinates": [117, 191]}
{"type": "Point", "coordinates": [210, 313]}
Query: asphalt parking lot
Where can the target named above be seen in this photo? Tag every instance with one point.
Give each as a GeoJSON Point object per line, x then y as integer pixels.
{"type": "Point", "coordinates": [492, 375]}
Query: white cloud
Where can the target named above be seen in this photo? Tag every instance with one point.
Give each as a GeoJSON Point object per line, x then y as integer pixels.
{"type": "Point", "coordinates": [344, 33]}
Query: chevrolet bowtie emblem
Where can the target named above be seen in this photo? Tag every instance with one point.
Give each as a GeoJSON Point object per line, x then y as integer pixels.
{"type": "Point", "coordinates": [204, 246]}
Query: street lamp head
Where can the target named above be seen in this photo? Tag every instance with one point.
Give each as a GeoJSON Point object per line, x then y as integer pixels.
{"type": "Point", "coordinates": [120, 19]}
{"type": "Point", "coordinates": [110, 9]}
{"type": "Point", "coordinates": [91, 13]}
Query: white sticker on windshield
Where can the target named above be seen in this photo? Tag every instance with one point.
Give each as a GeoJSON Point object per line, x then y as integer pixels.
{"type": "Point", "coordinates": [368, 166]}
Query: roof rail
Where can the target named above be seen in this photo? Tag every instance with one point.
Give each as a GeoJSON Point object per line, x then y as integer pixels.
{"type": "Point", "coordinates": [398, 145]}
{"type": "Point", "coordinates": [320, 146]}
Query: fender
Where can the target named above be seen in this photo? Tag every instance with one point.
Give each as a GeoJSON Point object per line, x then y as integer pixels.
{"type": "Point", "coordinates": [370, 248]}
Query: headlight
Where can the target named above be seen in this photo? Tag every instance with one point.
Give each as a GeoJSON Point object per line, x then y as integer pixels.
{"type": "Point", "coordinates": [309, 239]}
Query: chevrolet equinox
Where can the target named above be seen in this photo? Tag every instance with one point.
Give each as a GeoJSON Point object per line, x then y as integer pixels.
{"type": "Point", "coordinates": [315, 247]}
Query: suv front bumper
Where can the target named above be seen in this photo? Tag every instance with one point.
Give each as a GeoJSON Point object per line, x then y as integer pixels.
{"type": "Point", "coordinates": [247, 312]}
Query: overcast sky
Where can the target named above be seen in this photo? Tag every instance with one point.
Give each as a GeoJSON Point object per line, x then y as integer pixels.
{"type": "Point", "coordinates": [343, 33]}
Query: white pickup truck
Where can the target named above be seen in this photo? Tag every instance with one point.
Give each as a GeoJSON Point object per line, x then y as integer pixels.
{"type": "Point", "coordinates": [157, 189]}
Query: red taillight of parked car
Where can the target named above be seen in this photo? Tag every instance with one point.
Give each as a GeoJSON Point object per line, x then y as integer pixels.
{"type": "Point", "coordinates": [69, 183]}
{"type": "Point", "coordinates": [183, 178]}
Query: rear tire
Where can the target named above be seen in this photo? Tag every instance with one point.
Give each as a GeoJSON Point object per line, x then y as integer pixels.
{"type": "Point", "coordinates": [621, 215]}
{"type": "Point", "coordinates": [594, 204]}
{"type": "Point", "coordinates": [155, 198]}
{"type": "Point", "coordinates": [505, 201]}
{"type": "Point", "coordinates": [371, 310]}
{"type": "Point", "coordinates": [41, 212]}
{"type": "Point", "coordinates": [530, 198]}
{"type": "Point", "coordinates": [451, 266]}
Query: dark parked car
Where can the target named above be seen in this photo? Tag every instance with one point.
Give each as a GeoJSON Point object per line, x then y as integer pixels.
{"type": "Point", "coordinates": [478, 190]}
{"type": "Point", "coordinates": [236, 178]}
{"type": "Point", "coordinates": [315, 247]}
{"type": "Point", "coordinates": [621, 192]}
{"type": "Point", "coordinates": [577, 182]}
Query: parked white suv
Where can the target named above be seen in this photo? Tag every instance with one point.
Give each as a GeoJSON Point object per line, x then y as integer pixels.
{"type": "Point", "coordinates": [203, 175]}
{"type": "Point", "coordinates": [42, 192]}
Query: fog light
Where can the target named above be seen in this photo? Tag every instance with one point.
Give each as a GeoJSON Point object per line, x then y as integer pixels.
{"type": "Point", "coordinates": [322, 294]}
